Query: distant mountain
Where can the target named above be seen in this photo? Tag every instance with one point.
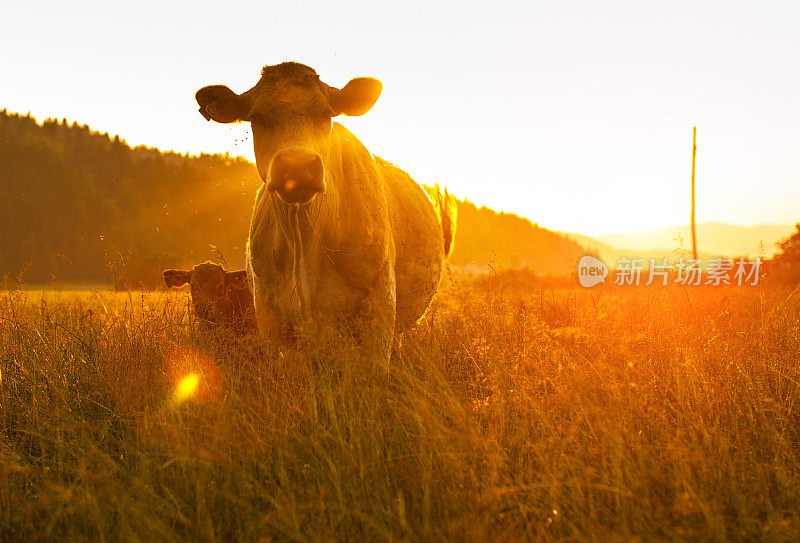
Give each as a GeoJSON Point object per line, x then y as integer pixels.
{"type": "Point", "coordinates": [610, 254]}
{"type": "Point", "coordinates": [78, 206]}
{"type": "Point", "coordinates": [486, 239]}
{"type": "Point", "coordinates": [712, 238]}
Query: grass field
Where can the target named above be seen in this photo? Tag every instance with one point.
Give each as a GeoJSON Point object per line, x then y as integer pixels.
{"type": "Point", "coordinates": [513, 412]}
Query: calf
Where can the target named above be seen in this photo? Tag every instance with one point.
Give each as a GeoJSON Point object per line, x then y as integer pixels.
{"type": "Point", "coordinates": [220, 297]}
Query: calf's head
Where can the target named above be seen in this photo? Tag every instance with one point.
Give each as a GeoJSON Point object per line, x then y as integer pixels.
{"type": "Point", "coordinates": [218, 295]}
{"type": "Point", "coordinates": [290, 112]}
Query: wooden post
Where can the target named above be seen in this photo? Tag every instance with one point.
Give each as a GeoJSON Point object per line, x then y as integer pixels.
{"type": "Point", "coordinates": [693, 225]}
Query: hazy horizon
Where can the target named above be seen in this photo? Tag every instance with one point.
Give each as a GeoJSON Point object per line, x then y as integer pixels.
{"type": "Point", "coordinates": [699, 224]}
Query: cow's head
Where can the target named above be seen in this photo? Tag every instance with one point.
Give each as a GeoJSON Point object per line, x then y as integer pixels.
{"type": "Point", "coordinates": [214, 290]}
{"type": "Point", "coordinates": [290, 111]}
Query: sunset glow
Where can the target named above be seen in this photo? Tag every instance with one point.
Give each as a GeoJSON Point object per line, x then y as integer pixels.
{"type": "Point", "coordinates": [576, 115]}
{"type": "Point", "coordinates": [417, 271]}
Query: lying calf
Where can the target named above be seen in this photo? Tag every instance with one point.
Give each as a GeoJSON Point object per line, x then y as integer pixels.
{"type": "Point", "coordinates": [220, 297]}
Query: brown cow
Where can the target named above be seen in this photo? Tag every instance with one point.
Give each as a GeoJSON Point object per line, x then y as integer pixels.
{"type": "Point", "coordinates": [220, 297]}
{"type": "Point", "coordinates": [340, 240]}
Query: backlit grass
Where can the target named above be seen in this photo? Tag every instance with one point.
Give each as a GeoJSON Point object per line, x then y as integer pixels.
{"type": "Point", "coordinates": [512, 412]}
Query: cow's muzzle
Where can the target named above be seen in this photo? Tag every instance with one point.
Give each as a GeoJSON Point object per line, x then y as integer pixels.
{"type": "Point", "coordinates": [297, 176]}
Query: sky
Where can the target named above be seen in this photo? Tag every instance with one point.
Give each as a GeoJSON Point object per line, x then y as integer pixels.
{"type": "Point", "coordinates": [575, 114]}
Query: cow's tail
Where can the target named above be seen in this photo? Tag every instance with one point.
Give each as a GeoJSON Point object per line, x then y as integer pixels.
{"type": "Point", "coordinates": [447, 210]}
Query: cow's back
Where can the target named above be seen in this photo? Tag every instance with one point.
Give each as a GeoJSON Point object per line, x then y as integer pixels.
{"type": "Point", "coordinates": [418, 244]}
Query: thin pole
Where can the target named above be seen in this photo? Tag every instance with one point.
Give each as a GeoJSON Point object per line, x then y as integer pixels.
{"type": "Point", "coordinates": [693, 225]}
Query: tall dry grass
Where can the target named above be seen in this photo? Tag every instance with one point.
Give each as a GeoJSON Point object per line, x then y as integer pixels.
{"type": "Point", "coordinates": [513, 412]}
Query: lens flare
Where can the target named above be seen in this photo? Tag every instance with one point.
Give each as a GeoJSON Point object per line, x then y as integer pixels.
{"type": "Point", "coordinates": [187, 386]}
{"type": "Point", "coordinates": [195, 377]}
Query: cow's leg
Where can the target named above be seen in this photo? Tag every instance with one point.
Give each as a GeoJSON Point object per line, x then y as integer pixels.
{"type": "Point", "coordinates": [270, 327]}
{"type": "Point", "coordinates": [378, 317]}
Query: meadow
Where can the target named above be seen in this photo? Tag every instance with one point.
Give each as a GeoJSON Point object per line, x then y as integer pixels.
{"type": "Point", "coordinates": [514, 411]}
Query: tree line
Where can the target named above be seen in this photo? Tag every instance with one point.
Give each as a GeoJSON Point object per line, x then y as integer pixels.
{"type": "Point", "coordinates": [79, 206]}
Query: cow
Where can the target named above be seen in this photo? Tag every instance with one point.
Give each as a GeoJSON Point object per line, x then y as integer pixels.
{"type": "Point", "coordinates": [340, 240]}
{"type": "Point", "coordinates": [221, 299]}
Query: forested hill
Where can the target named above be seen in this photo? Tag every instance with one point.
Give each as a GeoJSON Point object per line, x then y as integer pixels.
{"type": "Point", "coordinates": [77, 206]}
{"type": "Point", "coordinates": [489, 239]}
{"type": "Point", "coordinates": [74, 203]}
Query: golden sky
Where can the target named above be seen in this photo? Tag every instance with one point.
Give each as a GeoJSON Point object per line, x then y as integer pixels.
{"type": "Point", "coordinates": [577, 115]}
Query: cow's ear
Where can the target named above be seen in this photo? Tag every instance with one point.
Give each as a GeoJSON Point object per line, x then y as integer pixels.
{"type": "Point", "coordinates": [176, 278]}
{"type": "Point", "coordinates": [221, 104]}
{"type": "Point", "coordinates": [357, 97]}
{"type": "Point", "coordinates": [238, 278]}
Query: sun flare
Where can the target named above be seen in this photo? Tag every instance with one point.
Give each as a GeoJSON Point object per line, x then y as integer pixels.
{"type": "Point", "coordinates": [187, 386]}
